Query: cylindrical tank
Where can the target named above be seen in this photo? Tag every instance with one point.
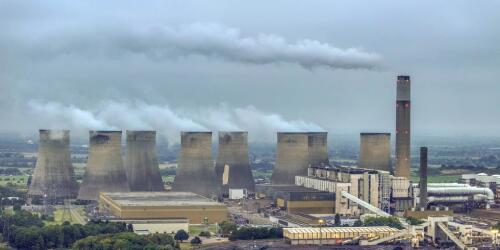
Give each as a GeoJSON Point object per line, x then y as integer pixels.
{"type": "Point", "coordinates": [292, 157]}
{"type": "Point", "coordinates": [375, 151]}
{"type": "Point", "coordinates": [54, 176]}
{"type": "Point", "coordinates": [196, 172]}
{"type": "Point", "coordinates": [141, 163]}
{"type": "Point", "coordinates": [105, 171]}
{"type": "Point", "coordinates": [232, 158]}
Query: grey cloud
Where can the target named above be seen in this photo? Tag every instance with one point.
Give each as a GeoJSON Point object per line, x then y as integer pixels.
{"type": "Point", "coordinates": [201, 39]}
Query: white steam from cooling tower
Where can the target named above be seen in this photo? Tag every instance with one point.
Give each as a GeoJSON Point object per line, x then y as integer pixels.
{"type": "Point", "coordinates": [166, 120]}
{"type": "Point", "coordinates": [207, 40]}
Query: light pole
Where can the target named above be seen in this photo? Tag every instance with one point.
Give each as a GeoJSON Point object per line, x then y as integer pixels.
{"type": "Point", "coordinates": [320, 221]}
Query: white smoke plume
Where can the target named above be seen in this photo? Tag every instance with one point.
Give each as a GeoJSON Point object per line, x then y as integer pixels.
{"type": "Point", "coordinates": [167, 121]}
{"type": "Point", "coordinates": [208, 40]}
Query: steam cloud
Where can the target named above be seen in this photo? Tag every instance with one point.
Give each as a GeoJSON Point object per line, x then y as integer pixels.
{"type": "Point", "coordinates": [168, 122]}
{"type": "Point", "coordinates": [208, 40]}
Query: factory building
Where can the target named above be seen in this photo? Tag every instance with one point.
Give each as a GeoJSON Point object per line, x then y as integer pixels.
{"type": "Point", "coordinates": [54, 176]}
{"type": "Point", "coordinates": [483, 180]}
{"type": "Point", "coordinates": [334, 235]}
{"type": "Point", "coordinates": [104, 171]}
{"type": "Point", "coordinates": [297, 199]}
{"type": "Point", "coordinates": [403, 132]}
{"type": "Point", "coordinates": [162, 205]}
{"type": "Point", "coordinates": [141, 163]}
{"type": "Point", "coordinates": [196, 172]}
{"type": "Point", "coordinates": [375, 151]}
{"type": "Point", "coordinates": [233, 165]}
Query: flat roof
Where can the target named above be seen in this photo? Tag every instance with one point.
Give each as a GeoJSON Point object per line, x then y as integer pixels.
{"type": "Point", "coordinates": [150, 199]}
{"type": "Point", "coordinates": [301, 230]}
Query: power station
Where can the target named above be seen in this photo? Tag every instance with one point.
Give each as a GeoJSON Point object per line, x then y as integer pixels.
{"type": "Point", "coordinates": [375, 151]}
{"type": "Point", "coordinates": [403, 107]}
{"type": "Point", "coordinates": [141, 163]}
{"type": "Point", "coordinates": [54, 176]}
{"type": "Point", "coordinates": [196, 172]}
{"type": "Point", "coordinates": [105, 171]}
{"type": "Point", "coordinates": [233, 165]}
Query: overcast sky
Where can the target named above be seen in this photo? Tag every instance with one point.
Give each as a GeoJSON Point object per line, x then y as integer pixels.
{"type": "Point", "coordinates": [255, 65]}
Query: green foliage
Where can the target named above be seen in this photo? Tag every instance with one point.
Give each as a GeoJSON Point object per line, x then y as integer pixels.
{"type": "Point", "coordinates": [255, 233]}
{"type": "Point", "coordinates": [337, 220]}
{"type": "Point", "coordinates": [358, 223]}
{"type": "Point", "coordinates": [126, 240]}
{"type": "Point", "coordinates": [205, 234]}
{"type": "Point", "coordinates": [181, 235]}
{"type": "Point", "coordinates": [196, 241]}
{"type": "Point", "coordinates": [226, 227]}
{"type": "Point", "coordinates": [414, 221]}
{"type": "Point", "coordinates": [383, 221]}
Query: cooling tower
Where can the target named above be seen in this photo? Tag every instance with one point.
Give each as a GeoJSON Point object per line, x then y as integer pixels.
{"type": "Point", "coordinates": [105, 171]}
{"type": "Point", "coordinates": [423, 177]}
{"type": "Point", "coordinates": [292, 157]}
{"type": "Point", "coordinates": [375, 151]}
{"type": "Point", "coordinates": [403, 157]}
{"type": "Point", "coordinates": [54, 176]}
{"type": "Point", "coordinates": [141, 164]}
{"type": "Point", "coordinates": [232, 159]}
{"type": "Point", "coordinates": [196, 172]}
{"type": "Point", "coordinates": [318, 149]}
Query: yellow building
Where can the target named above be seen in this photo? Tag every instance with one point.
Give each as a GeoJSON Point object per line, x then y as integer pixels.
{"type": "Point", "coordinates": [162, 205]}
{"type": "Point", "coordinates": [333, 235]}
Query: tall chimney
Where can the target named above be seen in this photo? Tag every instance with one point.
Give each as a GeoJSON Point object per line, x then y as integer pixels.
{"type": "Point", "coordinates": [232, 158]}
{"type": "Point", "coordinates": [141, 164]}
{"type": "Point", "coordinates": [375, 151]}
{"type": "Point", "coordinates": [423, 177]}
{"type": "Point", "coordinates": [105, 171]}
{"type": "Point", "coordinates": [196, 172]}
{"type": "Point", "coordinates": [403, 154]}
{"type": "Point", "coordinates": [318, 149]}
{"type": "Point", "coordinates": [54, 176]}
{"type": "Point", "coordinates": [292, 157]}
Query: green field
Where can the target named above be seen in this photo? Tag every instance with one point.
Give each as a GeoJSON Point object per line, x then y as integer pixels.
{"type": "Point", "coordinates": [16, 180]}
{"type": "Point", "coordinates": [194, 230]}
{"type": "Point", "coordinates": [168, 178]}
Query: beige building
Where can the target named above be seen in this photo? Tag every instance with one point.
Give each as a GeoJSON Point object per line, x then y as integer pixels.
{"type": "Point", "coordinates": [333, 235]}
{"type": "Point", "coordinates": [163, 205]}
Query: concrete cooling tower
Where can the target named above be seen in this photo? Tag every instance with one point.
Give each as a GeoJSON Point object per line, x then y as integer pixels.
{"type": "Point", "coordinates": [54, 176]}
{"type": "Point", "coordinates": [141, 164]}
{"type": "Point", "coordinates": [318, 149]}
{"type": "Point", "coordinates": [292, 157]}
{"type": "Point", "coordinates": [233, 162]}
{"type": "Point", "coordinates": [105, 171]}
{"type": "Point", "coordinates": [196, 172]}
{"type": "Point", "coordinates": [375, 151]}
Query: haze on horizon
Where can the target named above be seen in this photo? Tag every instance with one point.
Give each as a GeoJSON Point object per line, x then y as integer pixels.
{"type": "Point", "coordinates": [259, 66]}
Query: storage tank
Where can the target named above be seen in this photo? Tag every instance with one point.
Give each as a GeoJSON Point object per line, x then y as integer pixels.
{"type": "Point", "coordinates": [54, 176]}
{"type": "Point", "coordinates": [105, 171]}
{"type": "Point", "coordinates": [141, 163]}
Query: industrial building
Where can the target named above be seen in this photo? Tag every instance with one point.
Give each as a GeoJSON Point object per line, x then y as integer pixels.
{"type": "Point", "coordinates": [196, 172]}
{"type": "Point", "coordinates": [297, 199]}
{"type": "Point", "coordinates": [104, 171]}
{"type": "Point", "coordinates": [233, 165]}
{"type": "Point", "coordinates": [141, 163]}
{"type": "Point", "coordinates": [403, 132]}
{"type": "Point", "coordinates": [334, 235]}
{"type": "Point", "coordinates": [54, 176]}
{"type": "Point", "coordinates": [375, 151]}
{"type": "Point", "coordinates": [162, 205]}
{"type": "Point", "coordinates": [483, 180]}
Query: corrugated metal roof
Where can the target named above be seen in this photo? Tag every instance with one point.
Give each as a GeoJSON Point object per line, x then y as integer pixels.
{"type": "Point", "coordinates": [298, 230]}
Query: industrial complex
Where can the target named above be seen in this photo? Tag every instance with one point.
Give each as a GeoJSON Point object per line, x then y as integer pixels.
{"type": "Point", "coordinates": [316, 201]}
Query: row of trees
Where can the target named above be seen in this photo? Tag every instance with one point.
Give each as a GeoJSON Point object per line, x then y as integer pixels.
{"type": "Point", "coordinates": [127, 240]}
{"type": "Point", "coordinates": [24, 230]}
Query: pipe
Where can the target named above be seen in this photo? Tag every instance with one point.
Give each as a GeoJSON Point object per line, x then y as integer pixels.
{"type": "Point", "coordinates": [451, 191]}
